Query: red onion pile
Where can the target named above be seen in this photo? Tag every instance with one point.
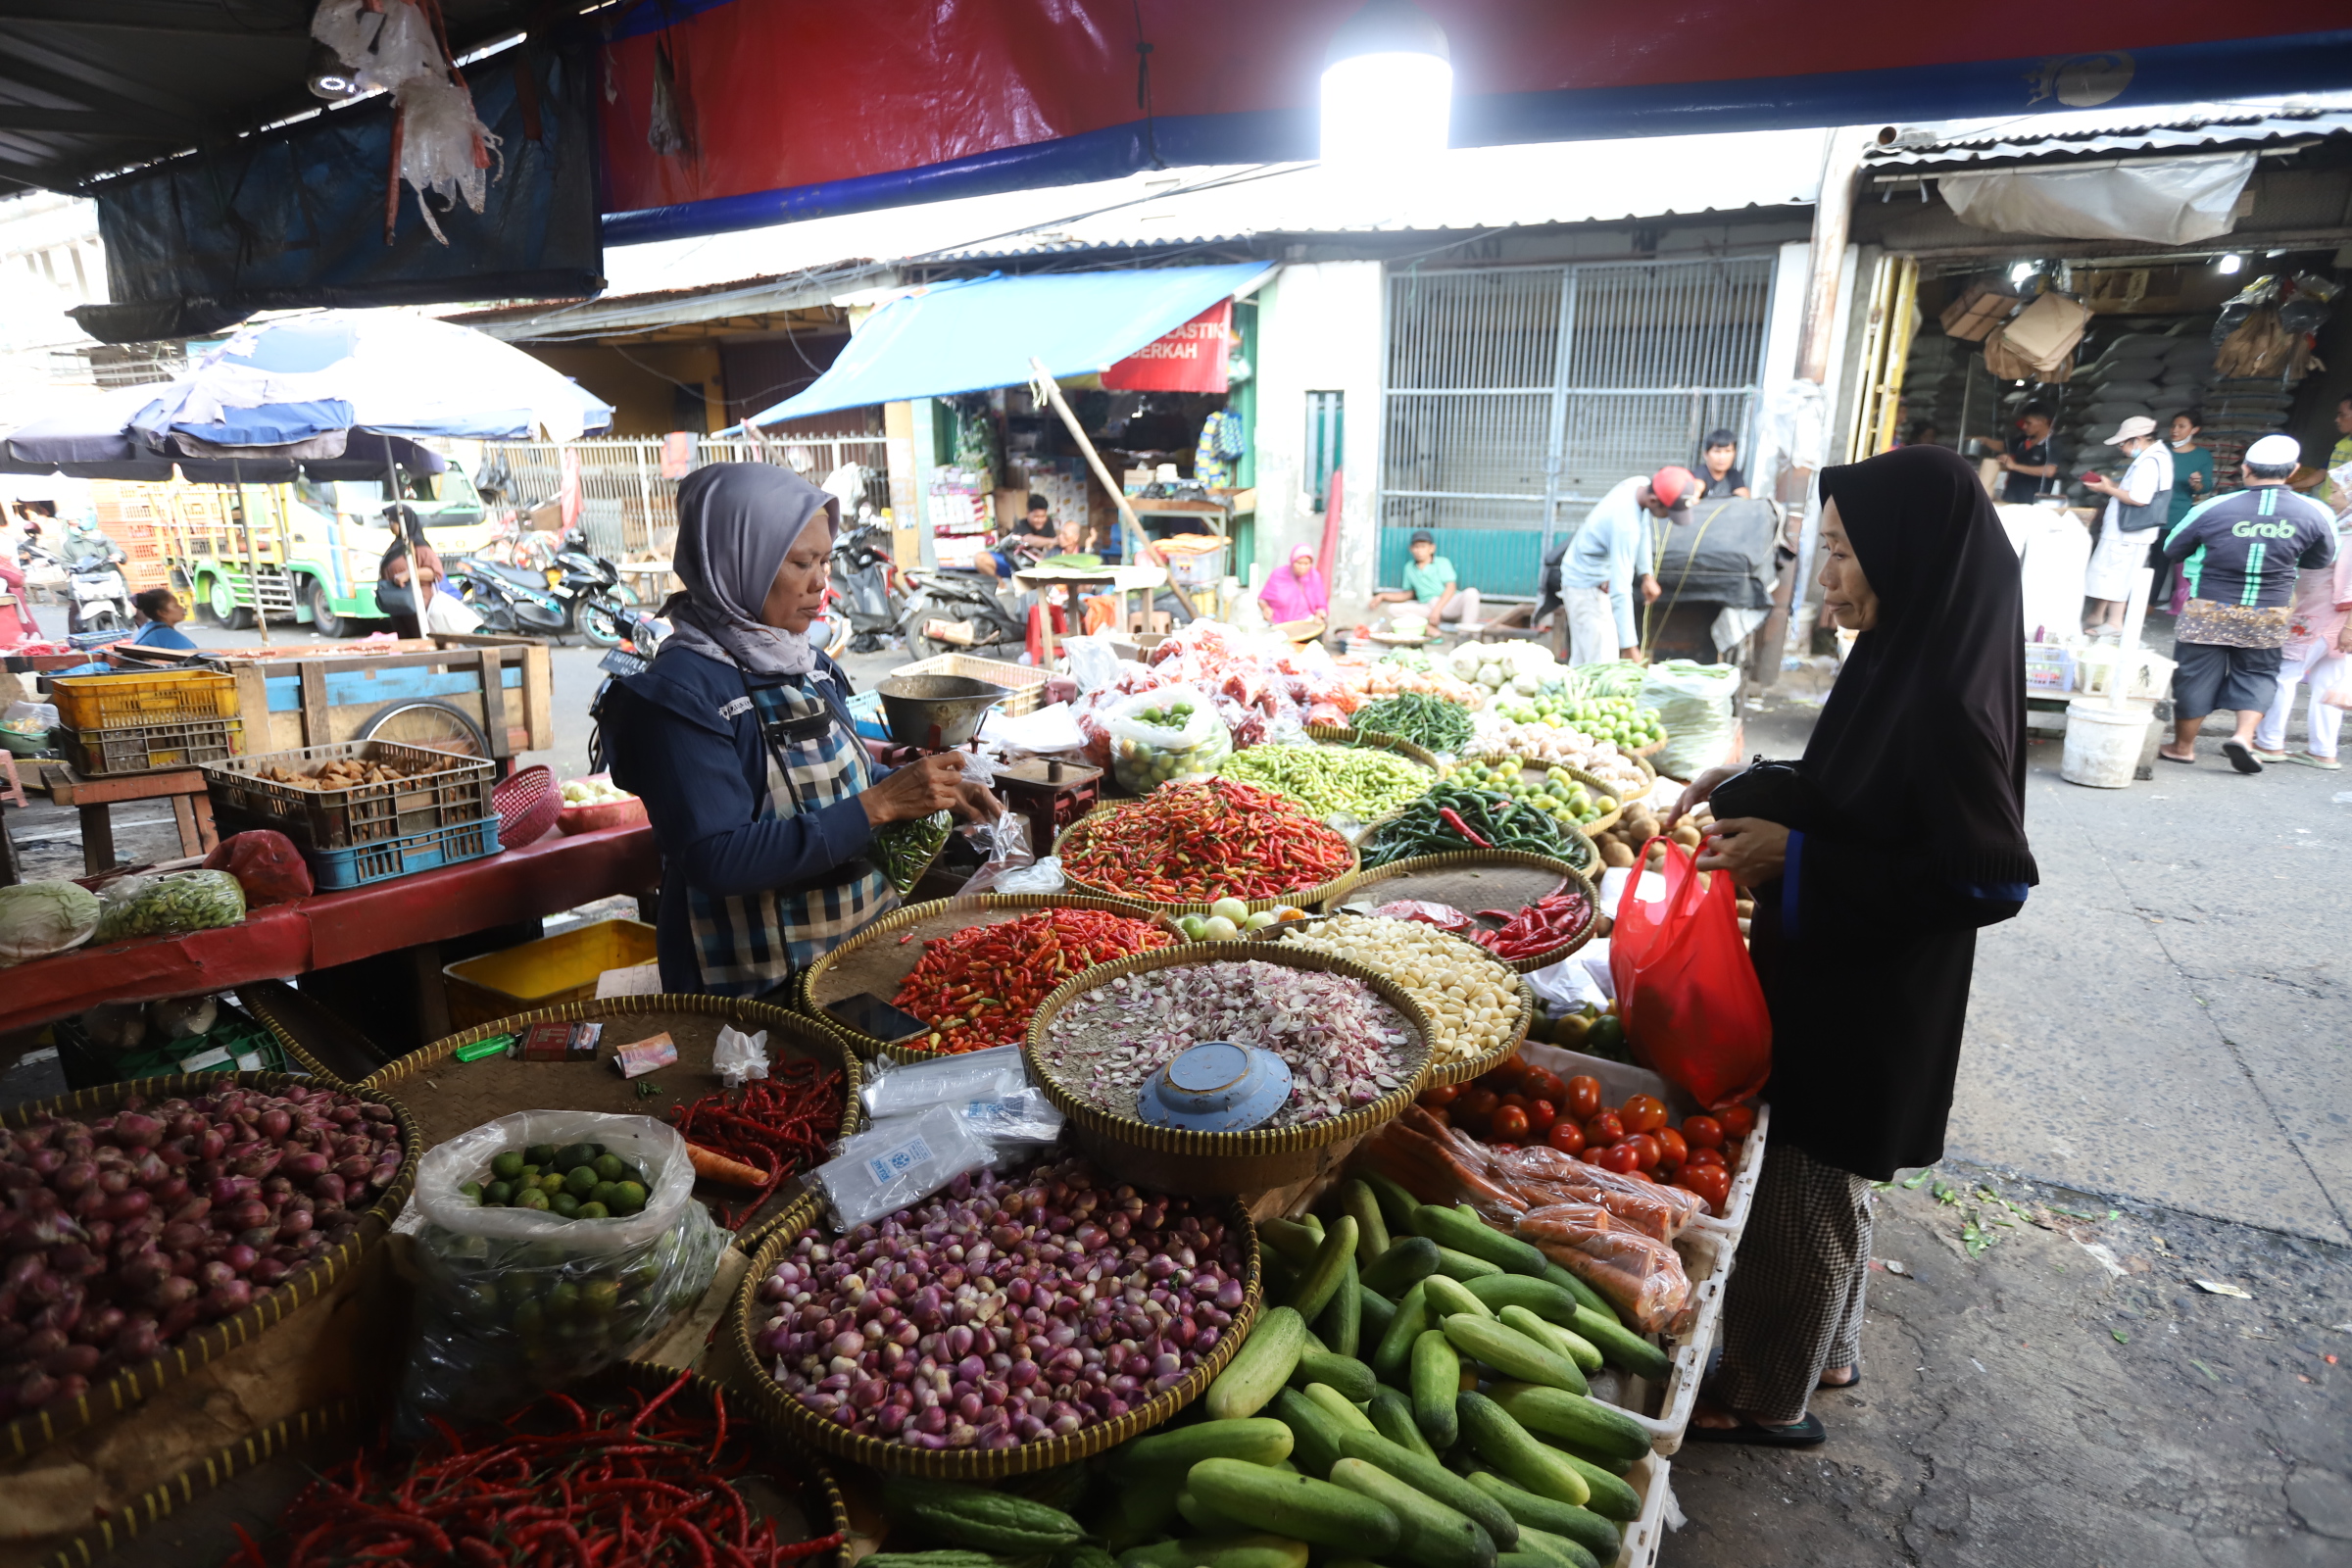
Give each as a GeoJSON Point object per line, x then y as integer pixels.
{"type": "Point", "coordinates": [125, 1231]}
{"type": "Point", "coordinates": [1003, 1310]}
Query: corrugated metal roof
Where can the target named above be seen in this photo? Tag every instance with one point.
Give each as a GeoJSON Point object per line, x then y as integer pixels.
{"type": "Point", "coordinates": [2192, 133]}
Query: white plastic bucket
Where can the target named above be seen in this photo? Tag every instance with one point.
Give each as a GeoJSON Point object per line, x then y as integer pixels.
{"type": "Point", "coordinates": [2102, 743]}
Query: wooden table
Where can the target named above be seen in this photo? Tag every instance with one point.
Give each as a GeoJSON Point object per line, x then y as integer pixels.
{"type": "Point", "coordinates": [96, 798]}
{"type": "Point", "coordinates": [1121, 580]}
{"type": "Point", "coordinates": [278, 940]}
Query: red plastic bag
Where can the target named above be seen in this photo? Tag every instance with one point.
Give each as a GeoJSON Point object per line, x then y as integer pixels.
{"type": "Point", "coordinates": [1693, 1008]}
{"type": "Point", "coordinates": [265, 864]}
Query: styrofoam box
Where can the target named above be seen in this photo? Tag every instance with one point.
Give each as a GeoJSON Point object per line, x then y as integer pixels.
{"type": "Point", "coordinates": [1706, 1246]}
{"type": "Point", "coordinates": [1646, 1532]}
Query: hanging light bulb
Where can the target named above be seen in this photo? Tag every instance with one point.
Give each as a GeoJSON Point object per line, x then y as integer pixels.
{"type": "Point", "coordinates": [2231, 264]}
{"type": "Point", "coordinates": [330, 78]}
{"type": "Point", "coordinates": [1388, 89]}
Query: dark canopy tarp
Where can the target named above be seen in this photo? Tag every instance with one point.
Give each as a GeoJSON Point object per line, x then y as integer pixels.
{"type": "Point", "coordinates": [295, 217]}
{"type": "Point", "coordinates": [1721, 556]}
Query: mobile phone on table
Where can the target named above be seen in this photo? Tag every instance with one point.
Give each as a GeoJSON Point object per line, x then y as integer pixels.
{"type": "Point", "coordinates": [869, 1014]}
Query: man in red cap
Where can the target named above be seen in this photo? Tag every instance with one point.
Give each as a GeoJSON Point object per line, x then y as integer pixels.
{"type": "Point", "coordinates": [1608, 555]}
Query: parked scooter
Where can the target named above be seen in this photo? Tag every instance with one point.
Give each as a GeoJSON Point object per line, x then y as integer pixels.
{"type": "Point", "coordinates": [97, 598]}
{"type": "Point", "coordinates": [868, 589]}
{"type": "Point", "coordinates": [579, 591]}
{"type": "Point", "coordinates": [967, 602]}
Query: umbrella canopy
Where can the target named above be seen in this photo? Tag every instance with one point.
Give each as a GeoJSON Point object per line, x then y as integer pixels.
{"type": "Point", "coordinates": [288, 384]}
{"type": "Point", "coordinates": [94, 440]}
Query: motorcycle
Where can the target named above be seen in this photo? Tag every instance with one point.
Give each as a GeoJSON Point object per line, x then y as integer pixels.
{"type": "Point", "coordinates": [640, 639]}
{"type": "Point", "coordinates": [578, 591]}
{"type": "Point", "coordinates": [868, 590]}
{"type": "Point", "coordinates": [942, 600]}
{"type": "Point", "coordinates": [97, 598]}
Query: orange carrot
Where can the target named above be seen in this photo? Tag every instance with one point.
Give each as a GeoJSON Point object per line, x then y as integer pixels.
{"type": "Point", "coordinates": [711, 1166]}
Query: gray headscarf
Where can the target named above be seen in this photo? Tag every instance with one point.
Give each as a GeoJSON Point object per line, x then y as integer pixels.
{"type": "Point", "coordinates": [736, 521]}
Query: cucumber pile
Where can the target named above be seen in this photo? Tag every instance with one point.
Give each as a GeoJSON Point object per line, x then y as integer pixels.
{"type": "Point", "coordinates": [1435, 1414]}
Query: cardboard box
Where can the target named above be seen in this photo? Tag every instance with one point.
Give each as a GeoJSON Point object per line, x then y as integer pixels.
{"type": "Point", "coordinates": [1980, 309]}
{"type": "Point", "coordinates": [2046, 331]}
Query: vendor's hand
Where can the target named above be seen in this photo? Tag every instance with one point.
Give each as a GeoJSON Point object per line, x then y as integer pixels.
{"type": "Point", "coordinates": [976, 804]}
{"type": "Point", "coordinates": [1751, 849]}
{"type": "Point", "coordinates": [2006, 461]}
{"type": "Point", "coordinates": [1697, 794]}
{"type": "Point", "coordinates": [932, 784]}
{"type": "Point", "coordinates": [1649, 590]}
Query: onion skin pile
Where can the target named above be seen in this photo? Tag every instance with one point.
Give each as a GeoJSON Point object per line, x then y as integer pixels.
{"type": "Point", "coordinates": [122, 1232]}
{"type": "Point", "coordinates": [1002, 1310]}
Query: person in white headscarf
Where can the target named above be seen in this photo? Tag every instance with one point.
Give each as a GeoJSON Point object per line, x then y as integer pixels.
{"type": "Point", "coordinates": [763, 800]}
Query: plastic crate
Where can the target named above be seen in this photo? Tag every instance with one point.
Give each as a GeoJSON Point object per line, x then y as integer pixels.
{"type": "Point", "coordinates": [233, 1043]}
{"type": "Point", "coordinates": [866, 709]}
{"type": "Point", "coordinates": [545, 973]}
{"type": "Point", "coordinates": [145, 747]}
{"type": "Point", "coordinates": [88, 703]}
{"type": "Point", "coordinates": [1200, 568]}
{"type": "Point", "coordinates": [2049, 668]}
{"type": "Point", "coordinates": [341, 869]}
{"type": "Point", "coordinates": [458, 792]}
{"type": "Point", "coordinates": [1027, 682]}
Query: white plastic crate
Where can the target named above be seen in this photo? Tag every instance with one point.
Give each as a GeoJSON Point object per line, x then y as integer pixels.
{"type": "Point", "coordinates": [1648, 1530]}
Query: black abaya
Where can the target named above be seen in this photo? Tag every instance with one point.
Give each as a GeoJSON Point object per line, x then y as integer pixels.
{"type": "Point", "coordinates": [1867, 943]}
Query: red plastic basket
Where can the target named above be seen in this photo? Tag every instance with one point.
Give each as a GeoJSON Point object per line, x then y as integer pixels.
{"type": "Point", "coordinates": [527, 805]}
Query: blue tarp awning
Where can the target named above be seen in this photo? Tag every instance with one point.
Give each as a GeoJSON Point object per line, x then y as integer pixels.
{"type": "Point", "coordinates": [976, 334]}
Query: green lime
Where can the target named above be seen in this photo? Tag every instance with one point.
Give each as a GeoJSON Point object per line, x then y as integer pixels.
{"type": "Point", "coordinates": [472, 1189]}
{"type": "Point", "coordinates": [551, 1184]}
{"type": "Point", "coordinates": [573, 1155]}
{"type": "Point", "coordinates": [563, 1298]}
{"type": "Point", "coordinates": [540, 1155]}
{"type": "Point", "coordinates": [610, 1167]}
{"type": "Point", "coordinates": [582, 1180]}
{"type": "Point", "coordinates": [598, 1298]}
{"type": "Point", "coordinates": [531, 1197]}
{"type": "Point", "coordinates": [528, 1173]}
{"type": "Point", "coordinates": [592, 1209]}
{"type": "Point", "coordinates": [508, 1166]}
{"type": "Point", "coordinates": [566, 1204]}
{"type": "Point", "coordinates": [629, 1198]}
{"type": "Point", "coordinates": [498, 1193]}
{"type": "Point", "coordinates": [528, 1315]}
{"type": "Point", "coordinates": [602, 1192]}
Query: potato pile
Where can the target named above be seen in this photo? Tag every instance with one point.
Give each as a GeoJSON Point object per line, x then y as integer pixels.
{"type": "Point", "coordinates": [346, 772]}
{"type": "Point", "coordinates": [1621, 841]}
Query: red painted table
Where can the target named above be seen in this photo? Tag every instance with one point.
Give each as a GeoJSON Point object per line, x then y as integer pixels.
{"type": "Point", "coordinates": [555, 874]}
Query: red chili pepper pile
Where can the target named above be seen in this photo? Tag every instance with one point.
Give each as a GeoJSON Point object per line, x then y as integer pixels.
{"type": "Point", "coordinates": [980, 986]}
{"type": "Point", "coordinates": [649, 1485]}
{"type": "Point", "coordinates": [1538, 928]}
{"type": "Point", "coordinates": [1198, 842]}
{"type": "Point", "coordinates": [781, 1124]}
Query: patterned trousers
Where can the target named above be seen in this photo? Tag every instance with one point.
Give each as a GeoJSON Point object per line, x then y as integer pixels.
{"type": "Point", "coordinates": [1794, 1303]}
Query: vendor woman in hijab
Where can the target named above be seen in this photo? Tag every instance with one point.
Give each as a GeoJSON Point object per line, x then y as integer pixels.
{"type": "Point", "coordinates": [1297, 592]}
{"type": "Point", "coordinates": [763, 800]}
{"type": "Point", "coordinates": [1873, 861]}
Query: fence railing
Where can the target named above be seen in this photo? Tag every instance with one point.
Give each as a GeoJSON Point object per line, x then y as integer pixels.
{"type": "Point", "coordinates": [629, 508]}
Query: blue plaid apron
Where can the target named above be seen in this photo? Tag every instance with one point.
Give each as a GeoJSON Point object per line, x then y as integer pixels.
{"type": "Point", "coordinates": [751, 943]}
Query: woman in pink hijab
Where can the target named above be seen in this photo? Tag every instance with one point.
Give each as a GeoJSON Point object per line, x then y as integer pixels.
{"type": "Point", "coordinates": [1296, 593]}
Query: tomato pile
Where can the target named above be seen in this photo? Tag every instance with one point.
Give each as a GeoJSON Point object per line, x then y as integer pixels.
{"type": "Point", "coordinates": [1520, 1103]}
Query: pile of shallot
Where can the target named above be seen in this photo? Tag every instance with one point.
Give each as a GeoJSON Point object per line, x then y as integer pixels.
{"type": "Point", "coordinates": [1005, 1310]}
{"type": "Point", "coordinates": [125, 1231]}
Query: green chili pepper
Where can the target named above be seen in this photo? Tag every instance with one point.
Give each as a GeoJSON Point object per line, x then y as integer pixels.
{"type": "Point", "coordinates": [905, 850]}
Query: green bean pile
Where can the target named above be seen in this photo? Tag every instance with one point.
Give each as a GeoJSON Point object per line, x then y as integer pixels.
{"type": "Point", "coordinates": [1430, 723]}
{"type": "Point", "coordinates": [1423, 828]}
{"type": "Point", "coordinates": [905, 850]}
{"type": "Point", "coordinates": [1362, 782]}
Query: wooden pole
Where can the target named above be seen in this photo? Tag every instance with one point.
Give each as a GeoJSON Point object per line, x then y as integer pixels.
{"type": "Point", "coordinates": [253, 561]}
{"type": "Point", "coordinates": [1118, 494]}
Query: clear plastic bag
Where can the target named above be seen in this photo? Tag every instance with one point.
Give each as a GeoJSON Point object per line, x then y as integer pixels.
{"type": "Point", "coordinates": [1093, 661]}
{"type": "Point", "coordinates": [511, 1300]}
{"type": "Point", "coordinates": [171, 904]}
{"type": "Point", "coordinates": [1694, 704]}
{"type": "Point", "coordinates": [739, 1058]}
{"type": "Point", "coordinates": [1045, 876]}
{"type": "Point", "coordinates": [880, 1172]}
{"type": "Point", "coordinates": [903, 1088]}
{"type": "Point", "coordinates": [1015, 1124]}
{"type": "Point", "coordinates": [1172, 733]}
{"type": "Point", "coordinates": [38, 919]}
{"type": "Point", "coordinates": [1009, 854]}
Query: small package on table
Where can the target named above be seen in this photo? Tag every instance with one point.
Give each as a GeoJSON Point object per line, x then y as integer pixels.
{"type": "Point", "coordinates": [559, 1042]}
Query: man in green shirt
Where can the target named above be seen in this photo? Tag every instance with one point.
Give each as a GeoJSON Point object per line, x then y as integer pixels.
{"type": "Point", "coordinates": [1430, 582]}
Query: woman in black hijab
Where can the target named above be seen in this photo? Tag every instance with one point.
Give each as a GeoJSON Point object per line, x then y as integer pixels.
{"type": "Point", "coordinates": [1874, 862]}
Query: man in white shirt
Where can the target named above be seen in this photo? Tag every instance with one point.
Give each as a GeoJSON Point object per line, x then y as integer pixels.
{"type": "Point", "coordinates": [2137, 506]}
{"type": "Point", "coordinates": [1610, 553]}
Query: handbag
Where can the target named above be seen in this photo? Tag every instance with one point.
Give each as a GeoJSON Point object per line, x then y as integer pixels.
{"type": "Point", "coordinates": [2129, 519]}
{"type": "Point", "coordinates": [1771, 792]}
{"type": "Point", "coordinates": [395, 598]}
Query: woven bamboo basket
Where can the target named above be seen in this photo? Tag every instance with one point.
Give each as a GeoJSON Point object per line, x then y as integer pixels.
{"type": "Point", "coordinates": [1462, 1071]}
{"type": "Point", "coordinates": [130, 1385]}
{"type": "Point", "coordinates": [978, 1465]}
{"type": "Point", "coordinates": [827, 981]}
{"type": "Point", "coordinates": [1579, 847]}
{"type": "Point", "coordinates": [593, 1086]}
{"type": "Point", "coordinates": [1368, 890]}
{"type": "Point", "coordinates": [1175, 1159]}
{"type": "Point", "coordinates": [1343, 735]}
{"type": "Point", "coordinates": [1308, 898]}
{"type": "Point", "coordinates": [1597, 786]}
{"type": "Point", "coordinates": [311, 1434]}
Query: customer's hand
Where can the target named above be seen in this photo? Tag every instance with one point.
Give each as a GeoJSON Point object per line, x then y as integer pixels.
{"type": "Point", "coordinates": [1695, 796]}
{"type": "Point", "coordinates": [932, 784]}
{"type": "Point", "coordinates": [1751, 849]}
{"type": "Point", "coordinates": [1651, 590]}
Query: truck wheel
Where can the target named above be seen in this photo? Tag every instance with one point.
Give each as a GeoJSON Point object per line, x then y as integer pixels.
{"type": "Point", "coordinates": [324, 620]}
{"type": "Point", "coordinates": [426, 722]}
{"type": "Point", "coordinates": [222, 602]}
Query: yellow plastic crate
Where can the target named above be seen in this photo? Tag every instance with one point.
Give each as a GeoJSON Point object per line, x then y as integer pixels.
{"type": "Point", "coordinates": [545, 973]}
{"type": "Point", "coordinates": [121, 702]}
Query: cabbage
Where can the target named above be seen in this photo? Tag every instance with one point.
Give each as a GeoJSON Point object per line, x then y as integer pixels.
{"type": "Point", "coordinates": [1467, 656]}
{"type": "Point", "coordinates": [38, 919]}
